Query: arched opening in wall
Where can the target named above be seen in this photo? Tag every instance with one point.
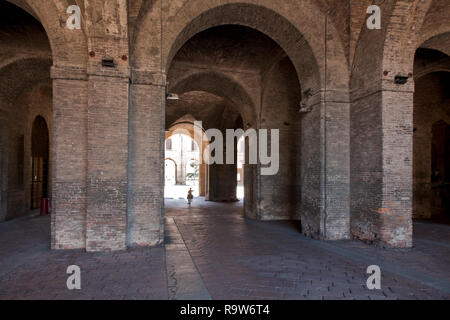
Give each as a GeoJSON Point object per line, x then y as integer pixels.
{"type": "Point", "coordinates": [170, 173]}
{"type": "Point", "coordinates": [225, 60]}
{"type": "Point", "coordinates": [431, 136]}
{"type": "Point", "coordinates": [239, 83]}
{"type": "Point", "coordinates": [40, 147]}
{"type": "Point", "coordinates": [182, 164]}
{"type": "Point", "coordinates": [25, 93]}
{"type": "Point", "coordinates": [240, 167]}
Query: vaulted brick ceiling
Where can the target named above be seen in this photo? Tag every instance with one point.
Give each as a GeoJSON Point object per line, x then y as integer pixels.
{"type": "Point", "coordinates": [25, 55]}
{"type": "Point", "coordinates": [230, 47]}
{"type": "Point", "coordinates": [20, 33]}
{"type": "Point", "coordinates": [213, 111]}
{"type": "Point", "coordinates": [440, 42]}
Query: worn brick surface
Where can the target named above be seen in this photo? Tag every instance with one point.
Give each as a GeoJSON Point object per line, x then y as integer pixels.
{"type": "Point", "coordinates": [212, 251]}
{"type": "Point", "coordinates": [30, 270]}
{"type": "Point", "coordinates": [244, 259]}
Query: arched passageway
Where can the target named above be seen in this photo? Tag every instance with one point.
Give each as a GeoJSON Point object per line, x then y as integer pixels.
{"type": "Point", "coordinates": [226, 66]}
{"type": "Point", "coordinates": [170, 168]}
{"type": "Point", "coordinates": [431, 135]}
{"type": "Point", "coordinates": [222, 100]}
{"type": "Point", "coordinates": [25, 112]}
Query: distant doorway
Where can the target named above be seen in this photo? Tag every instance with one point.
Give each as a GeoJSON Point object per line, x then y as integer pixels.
{"type": "Point", "coordinates": [440, 173]}
{"type": "Point", "coordinates": [182, 166]}
{"type": "Point", "coordinates": [240, 168]}
{"type": "Point", "coordinates": [39, 161]}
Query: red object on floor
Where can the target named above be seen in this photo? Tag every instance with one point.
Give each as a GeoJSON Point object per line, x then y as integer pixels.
{"type": "Point", "coordinates": [44, 207]}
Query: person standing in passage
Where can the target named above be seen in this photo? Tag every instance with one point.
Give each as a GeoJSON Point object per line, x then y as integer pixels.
{"type": "Point", "coordinates": [190, 196]}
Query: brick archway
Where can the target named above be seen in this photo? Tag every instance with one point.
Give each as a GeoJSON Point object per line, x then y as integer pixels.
{"type": "Point", "coordinates": [310, 41]}
{"type": "Point", "coordinates": [175, 166]}
{"type": "Point", "coordinates": [304, 33]}
{"type": "Point", "coordinates": [241, 102]}
{"type": "Point", "coordinates": [21, 99]}
{"type": "Point", "coordinates": [186, 126]}
{"type": "Point", "coordinates": [69, 47]}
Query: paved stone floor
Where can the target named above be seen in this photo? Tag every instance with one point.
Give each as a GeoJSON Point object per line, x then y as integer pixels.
{"type": "Point", "coordinates": [212, 252]}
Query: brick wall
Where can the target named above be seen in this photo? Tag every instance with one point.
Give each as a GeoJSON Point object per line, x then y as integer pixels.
{"type": "Point", "coordinates": [107, 163]}
{"type": "Point", "coordinates": [278, 194]}
{"type": "Point", "coordinates": [146, 164]}
{"type": "Point", "coordinates": [69, 202]}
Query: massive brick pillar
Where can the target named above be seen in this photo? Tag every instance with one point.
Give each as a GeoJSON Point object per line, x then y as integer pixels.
{"type": "Point", "coordinates": [223, 179]}
{"type": "Point", "coordinates": [203, 172]}
{"type": "Point", "coordinates": [181, 165]}
{"type": "Point", "coordinates": [325, 166]}
{"type": "Point", "coordinates": [69, 153]}
{"type": "Point", "coordinates": [146, 159]}
{"type": "Point", "coordinates": [222, 182]}
{"type": "Point", "coordinates": [251, 187]}
{"type": "Point", "coordinates": [396, 211]}
{"type": "Point", "coordinates": [107, 162]}
{"type": "Point", "coordinates": [106, 28]}
{"type": "Point", "coordinates": [336, 215]}
{"type": "Point", "coordinates": [381, 160]}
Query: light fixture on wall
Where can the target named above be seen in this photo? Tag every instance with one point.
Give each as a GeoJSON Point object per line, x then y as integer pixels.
{"type": "Point", "coordinates": [172, 96]}
{"type": "Point", "coordinates": [108, 62]}
{"type": "Point", "coordinates": [308, 93]}
{"type": "Point", "coordinates": [304, 108]}
{"type": "Point", "coordinates": [399, 79]}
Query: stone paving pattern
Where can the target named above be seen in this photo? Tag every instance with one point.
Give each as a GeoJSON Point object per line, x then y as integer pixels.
{"type": "Point", "coordinates": [211, 251]}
